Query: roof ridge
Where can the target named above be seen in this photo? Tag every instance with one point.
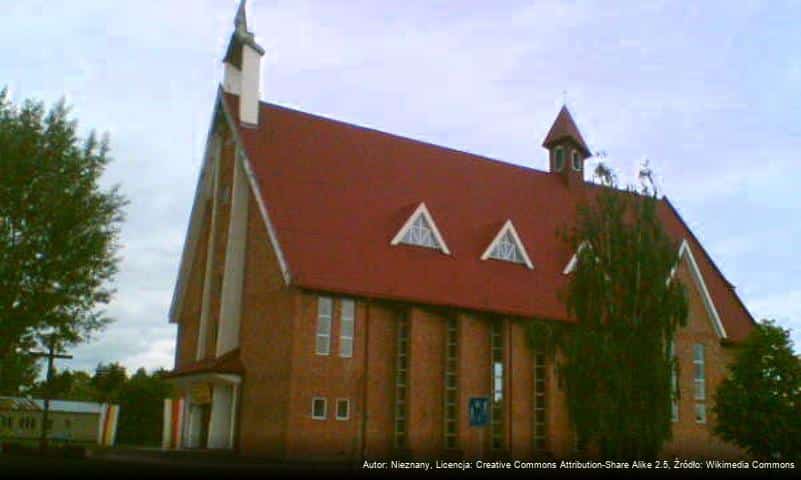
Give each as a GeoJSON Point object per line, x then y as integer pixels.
{"type": "Point", "coordinates": [471, 155]}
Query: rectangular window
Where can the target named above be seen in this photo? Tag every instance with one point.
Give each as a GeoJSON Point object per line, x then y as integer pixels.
{"type": "Point", "coordinates": [698, 367]}
{"type": "Point", "coordinates": [674, 383]}
{"type": "Point", "coordinates": [324, 310]}
{"type": "Point", "coordinates": [539, 402]}
{"type": "Point", "coordinates": [347, 320]}
{"type": "Point", "coordinates": [497, 413]}
{"type": "Point", "coordinates": [401, 376]}
{"type": "Point", "coordinates": [343, 409]}
{"type": "Point", "coordinates": [700, 413]}
{"type": "Point", "coordinates": [450, 425]}
{"type": "Point", "coordinates": [318, 408]}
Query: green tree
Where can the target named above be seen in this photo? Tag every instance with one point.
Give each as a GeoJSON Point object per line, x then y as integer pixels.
{"type": "Point", "coordinates": [68, 385]}
{"type": "Point", "coordinates": [108, 381]}
{"type": "Point", "coordinates": [614, 357]}
{"type": "Point", "coordinates": [141, 403]}
{"type": "Point", "coordinates": [58, 231]}
{"type": "Point", "coordinates": [16, 372]}
{"type": "Point", "coordinates": [758, 406]}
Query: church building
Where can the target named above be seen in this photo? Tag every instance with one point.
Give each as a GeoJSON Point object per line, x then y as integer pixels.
{"type": "Point", "coordinates": [346, 293]}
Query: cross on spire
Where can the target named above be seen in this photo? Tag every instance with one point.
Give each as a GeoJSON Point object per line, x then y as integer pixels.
{"type": "Point", "coordinates": [240, 20]}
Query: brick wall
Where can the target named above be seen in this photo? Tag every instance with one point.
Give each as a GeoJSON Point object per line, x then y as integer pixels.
{"type": "Point", "coordinates": [283, 373]}
{"type": "Point", "coordinates": [265, 346]}
{"type": "Point", "coordinates": [691, 438]}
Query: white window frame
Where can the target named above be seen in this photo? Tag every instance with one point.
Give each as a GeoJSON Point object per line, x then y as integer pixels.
{"type": "Point", "coordinates": [573, 157]}
{"type": "Point", "coordinates": [674, 383]}
{"type": "Point", "coordinates": [319, 331]}
{"type": "Point", "coordinates": [573, 262]}
{"type": "Point", "coordinates": [343, 338]}
{"type": "Point", "coordinates": [508, 227]}
{"type": "Point", "coordinates": [325, 408]}
{"type": "Point", "coordinates": [336, 412]}
{"type": "Point", "coordinates": [421, 210]}
{"type": "Point", "coordinates": [556, 164]}
{"type": "Point", "coordinates": [700, 407]}
{"type": "Point", "coordinates": [699, 380]}
{"type": "Point", "coordinates": [686, 251]}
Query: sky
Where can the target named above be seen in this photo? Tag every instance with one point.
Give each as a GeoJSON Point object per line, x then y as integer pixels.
{"type": "Point", "coordinates": [708, 92]}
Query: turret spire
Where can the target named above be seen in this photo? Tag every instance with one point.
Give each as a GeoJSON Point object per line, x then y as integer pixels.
{"type": "Point", "coordinates": [567, 148]}
{"type": "Point", "coordinates": [240, 20]}
{"type": "Point", "coordinates": [242, 68]}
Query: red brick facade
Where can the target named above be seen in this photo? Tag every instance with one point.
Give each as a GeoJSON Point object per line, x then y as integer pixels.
{"type": "Point", "coordinates": [282, 372]}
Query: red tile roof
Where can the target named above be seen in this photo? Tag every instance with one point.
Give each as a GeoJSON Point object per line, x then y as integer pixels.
{"type": "Point", "coordinates": [338, 193]}
{"type": "Point", "coordinates": [226, 363]}
{"type": "Point", "coordinates": [564, 128]}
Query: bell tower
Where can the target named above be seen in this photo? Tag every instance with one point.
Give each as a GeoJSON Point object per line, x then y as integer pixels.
{"type": "Point", "coordinates": [567, 150]}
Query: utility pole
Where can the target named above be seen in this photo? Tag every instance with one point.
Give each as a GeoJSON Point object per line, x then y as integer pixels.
{"type": "Point", "coordinates": [50, 355]}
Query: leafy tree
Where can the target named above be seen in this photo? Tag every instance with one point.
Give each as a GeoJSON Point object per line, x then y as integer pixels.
{"type": "Point", "coordinates": [759, 405]}
{"type": "Point", "coordinates": [141, 403]}
{"type": "Point", "coordinates": [108, 381]}
{"type": "Point", "coordinates": [614, 359]}
{"type": "Point", "coordinates": [68, 385]}
{"type": "Point", "coordinates": [16, 372]}
{"type": "Point", "coordinates": [58, 231]}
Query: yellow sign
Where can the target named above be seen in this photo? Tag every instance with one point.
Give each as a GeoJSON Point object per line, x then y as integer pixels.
{"type": "Point", "coordinates": [201, 393]}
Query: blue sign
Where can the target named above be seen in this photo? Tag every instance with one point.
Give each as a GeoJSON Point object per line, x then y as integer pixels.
{"type": "Point", "coordinates": [479, 411]}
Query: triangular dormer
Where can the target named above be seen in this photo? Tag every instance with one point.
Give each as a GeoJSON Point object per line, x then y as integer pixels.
{"type": "Point", "coordinates": [685, 253]}
{"type": "Point", "coordinates": [507, 247]}
{"type": "Point", "coordinates": [571, 265]}
{"type": "Point", "coordinates": [421, 231]}
{"type": "Point", "coordinates": [566, 149]}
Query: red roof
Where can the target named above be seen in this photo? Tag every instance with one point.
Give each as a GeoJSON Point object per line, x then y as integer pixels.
{"type": "Point", "coordinates": [564, 128]}
{"type": "Point", "coordinates": [226, 363]}
{"type": "Point", "coordinates": [337, 194]}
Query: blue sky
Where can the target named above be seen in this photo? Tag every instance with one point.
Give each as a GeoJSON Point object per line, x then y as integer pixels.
{"type": "Point", "coordinates": [709, 92]}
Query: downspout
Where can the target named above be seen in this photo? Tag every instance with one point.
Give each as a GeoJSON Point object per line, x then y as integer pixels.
{"type": "Point", "coordinates": [364, 377]}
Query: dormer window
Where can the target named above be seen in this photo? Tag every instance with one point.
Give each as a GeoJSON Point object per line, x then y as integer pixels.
{"type": "Point", "coordinates": [507, 247]}
{"type": "Point", "coordinates": [576, 161]}
{"type": "Point", "coordinates": [421, 231]}
{"type": "Point", "coordinates": [559, 159]}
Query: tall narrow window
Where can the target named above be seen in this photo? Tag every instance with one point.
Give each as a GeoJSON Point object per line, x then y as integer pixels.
{"type": "Point", "coordinates": [497, 414]}
{"type": "Point", "coordinates": [347, 320]}
{"type": "Point", "coordinates": [576, 161]}
{"type": "Point", "coordinates": [401, 380]}
{"type": "Point", "coordinates": [540, 426]}
{"type": "Point", "coordinates": [674, 382]}
{"type": "Point", "coordinates": [699, 380]}
{"type": "Point", "coordinates": [323, 341]}
{"type": "Point", "coordinates": [451, 352]}
{"type": "Point", "coordinates": [559, 160]}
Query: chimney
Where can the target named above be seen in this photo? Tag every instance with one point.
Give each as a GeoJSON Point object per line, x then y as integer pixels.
{"type": "Point", "coordinates": [566, 149]}
{"type": "Point", "coordinates": [243, 69]}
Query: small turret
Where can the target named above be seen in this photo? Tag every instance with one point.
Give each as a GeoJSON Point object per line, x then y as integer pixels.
{"type": "Point", "coordinates": [567, 149]}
